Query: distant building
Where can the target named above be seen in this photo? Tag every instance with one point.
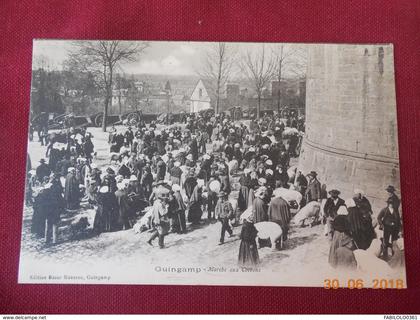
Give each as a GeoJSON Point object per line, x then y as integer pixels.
{"type": "Point", "coordinates": [200, 98]}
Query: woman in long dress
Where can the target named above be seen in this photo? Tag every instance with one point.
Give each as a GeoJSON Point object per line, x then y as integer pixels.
{"type": "Point", "coordinates": [341, 239]}
{"type": "Point", "coordinates": [259, 207]}
{"type": "Point", "coordinates": [248, 252]}
{"type": "Point", "coordinates": [361, 228]}
{"type": "Point", "coordinates": [194, 208]}
{"type": "Point", "coordinates": [244, 191]}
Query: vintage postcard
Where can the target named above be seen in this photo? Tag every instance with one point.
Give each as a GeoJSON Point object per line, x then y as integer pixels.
{"type": "Point", "coordinates": [200, 163]}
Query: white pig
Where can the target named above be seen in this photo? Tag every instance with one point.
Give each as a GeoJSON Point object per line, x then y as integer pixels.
{"type": "Point", "coordinates": [270, 230]}
{"type": "Point", "coordinates": [310, 210]}
{"type": "Point", "coordinates": [145, 222]}
{"type": "Point", "coordinates": [288, 195]}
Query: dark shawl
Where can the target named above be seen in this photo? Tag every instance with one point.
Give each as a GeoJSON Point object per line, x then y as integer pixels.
{"type": "Point", "coordinates": [259, 210]}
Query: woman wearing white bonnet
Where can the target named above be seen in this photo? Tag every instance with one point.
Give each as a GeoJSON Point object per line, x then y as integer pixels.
{"type": "Point", "coordinates": [360, 225]}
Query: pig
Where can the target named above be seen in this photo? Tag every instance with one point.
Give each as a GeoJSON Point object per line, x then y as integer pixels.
{"type": "Point", "coordinates": [289, 195]}
{"type": "Point", "coordinates": [270, 230]}
{"type": "Point", "coordinates": [312, 209]}
{"type": "Point", "coordinates": [266, 229]}
{"type": "Point", "coordinates": [145, 222]}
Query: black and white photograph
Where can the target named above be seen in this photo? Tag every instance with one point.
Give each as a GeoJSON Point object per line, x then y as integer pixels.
{"type": "Point", "coordinates": [213, 163]}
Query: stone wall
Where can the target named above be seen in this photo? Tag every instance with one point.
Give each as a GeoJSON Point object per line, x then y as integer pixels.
{"type": "Point", "coordinates": [351, 122]}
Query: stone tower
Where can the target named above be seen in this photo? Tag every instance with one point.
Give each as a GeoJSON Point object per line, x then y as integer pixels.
{"type": "Point", "coordinates": [351, 122]}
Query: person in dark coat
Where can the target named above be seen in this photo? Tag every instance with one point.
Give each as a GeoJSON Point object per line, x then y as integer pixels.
{"type": "Point", "coordinates": [194, 148]}
{"type": "Point", "coordinates": [190, 183]}
{"type": "Point", "coordinates": [71, 190]}
{"type": "Point", "coordinates": [393, 197]}
{"type": "Point", "coordinates": [248, 251]}
{"type": "Point", "coordinates": [279, 212]}
{"type": "Point", "coordinates": [42, 171]}
{"type": "Point", "coordinates": [313, 190]}
{"type": "Point", "coordinates": [88, 148]}
{"type": "Point", "coordinates": [161, 169]}
{"type": "Point", "coordinates": [40, 208]}
{"type": "Point", "coordinates": [301, 183]}
{"type": "Point", "coordinates": [106, 213]}
{"type": "Point", "coordinates": [341, 238]}
{"type": "Point", "coordinates": [362, 202]}
{"type": "Point", "coordinates": [224, 180]}
{"type": "Point", "coordinates": [160, 218]}
{"type": "Point", "coordinates": [63, 165]}
{"type": "Point", "coordinates": [194, 206]}
{"type": "Point", "coordinates": [109, 180]}
{"type": "Point", "coordinates": [224, 212]}
{"type": "Point", "coordinates": [124, 171]}
{"type": "Point", "coordinates": [243, 197]}
{"type": "Point", "coordinates": [129, 136]}
{"type": "Point", "coordinates": [147, 182]}
{"type": "Point", "coordinates": [259, 207]}
{"type": "Point", "coordinates": [55, 208]}
{"type": "Point", "coordinates": [176, 173]}
{"type": "Point", "coordinates": [281, 177]}
{"type": "Point", "coordinates": [55, 157]}
{"type": "Point", "coordinates": [124, 207]}
{"type": "Point", "coordinates": [178, 205]}
{"type": "Point", "coordinates": [330, 210]}
{"type": "Point", "coordinates": [361, 228]}
{"type": "Point", "coordinates": [390, 222]}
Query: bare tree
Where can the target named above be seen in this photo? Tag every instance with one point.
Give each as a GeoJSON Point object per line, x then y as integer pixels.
{"type": "Point", "coordinates": [258, 68]}
{"type": "Point", "coordinates": [290, 60]}
{"type": "Point", "coordinates": [102, 58]}
{"type": "Point", "coordinates": [217, 66]}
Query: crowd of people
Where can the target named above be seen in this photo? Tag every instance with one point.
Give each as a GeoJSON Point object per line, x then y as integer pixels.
{"type": "Point", "coordinates": [185, 174]}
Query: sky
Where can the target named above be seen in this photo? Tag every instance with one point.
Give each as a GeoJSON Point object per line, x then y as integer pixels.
{"type": "Point", "coordinates": [164, 58]}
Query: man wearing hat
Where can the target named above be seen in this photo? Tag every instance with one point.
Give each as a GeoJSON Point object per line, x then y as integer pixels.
{"type": "Point", "coordinates": [330, 209]}
{"type": "Point", "coordinates": [224, 212]}
{"type": "Point", "coordinates": [55, 208]}
{"type": "Point", "coordinates": [42, 171]}
{"type": "Point", "coordinates": [160, 218]}
{"type": "Point", "coordinates": [71, 190]}
{"type": "Point", "coordinates": [129, 136]}
{"type": "Point", "coordinates": [313, 190]}
{"type": "Point", "coordinates": [393, 197]}
{"type": "Point", "coordinates": [390, 222]}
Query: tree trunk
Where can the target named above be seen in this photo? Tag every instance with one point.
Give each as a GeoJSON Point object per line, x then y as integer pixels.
{"type": "Point", "coordinates": [279, 90]}
{"type": "Point", "coordinates": [259, 107]}
{"type": "Point", "coordinates": [217, 102]}
{"type": "Point", "coordinates": [105, 112]}
{"type": "Point", "coordinates": [108, 98]}
{"type": "Point", "coordinates": [119, 101]}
